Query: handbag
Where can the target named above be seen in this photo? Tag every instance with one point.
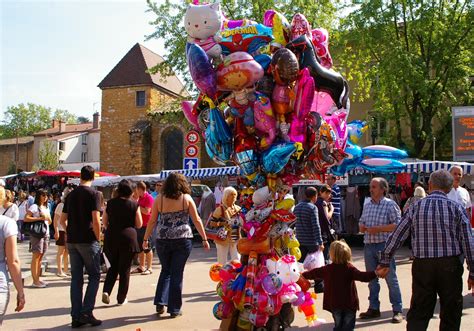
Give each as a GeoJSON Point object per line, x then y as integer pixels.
{"type": "Point", "coordinates": [216, 229]}
{"type": "Point", "coordinates": [36, 229]}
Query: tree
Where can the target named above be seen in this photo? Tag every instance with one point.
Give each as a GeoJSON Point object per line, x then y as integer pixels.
{"type": "Point", "coordinates": [27, 119]}
{"type": "Point", "coordinates": [414, 58]}
{"type": "Point", "coordinates": [48, 158]}
{"type": "Point", "coordinates": [169, 24]}
{"type": "Point", "coordinates": [82, 120]}
{"type": "Point", "coordinates": [65, 116]}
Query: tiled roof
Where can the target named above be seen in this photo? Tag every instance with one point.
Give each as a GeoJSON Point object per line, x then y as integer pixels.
{"type": "Point", "coordinates": [12, 141]}
{"type": "Point", "coordinates": [139, 126]}
{"type": "Point", "coordinates": [69, 128]}
{"type": "Point", "coordinates": [64, 136]}
{"type": "Point", "coordinates": [132, 71]}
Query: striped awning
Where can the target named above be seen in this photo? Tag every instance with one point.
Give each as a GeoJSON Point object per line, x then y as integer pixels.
{"type": "Point", "coordinates": [425, 167]}
{"type": "Point", "coordinates": [201, 173]}
{"type": "Point", "coordinates": [430, 166]}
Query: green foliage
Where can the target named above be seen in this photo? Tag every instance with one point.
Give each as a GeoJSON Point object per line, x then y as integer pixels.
{"type": "Point", "coordinates": [30, 118]}
{"type": "Point", "coordinates": [64, 116]}
{"type": "Point", "coordinates": [82, 120]}
{"type": "Point", "coordinates": [169, 25]}
{"type": "Point", "coordinates": [11, 168]}
{"type": "Point", "coordinates": [48, 158]}
{"type": "Point", "coordinates": [414, 59]}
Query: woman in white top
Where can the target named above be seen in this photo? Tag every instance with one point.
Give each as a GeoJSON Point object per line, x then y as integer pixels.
{"type": "Point", "coordinates": [9, 257]}
{"type": "Point", "coordinates": [22, 207]}
{"type": "Point", "coordinates": [62, 256]}
{"type": "Point", "coordinates": [39, 211]}
{"type": "Point", "coordinates": [9, 209]}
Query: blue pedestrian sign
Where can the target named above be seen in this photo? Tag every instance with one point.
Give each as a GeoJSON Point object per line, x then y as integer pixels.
{"type": "Point", "coordinates": [190, 163]}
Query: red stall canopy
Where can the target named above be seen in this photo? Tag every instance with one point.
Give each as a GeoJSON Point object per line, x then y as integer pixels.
{"type": "Point", "coordinates": [71, 173]}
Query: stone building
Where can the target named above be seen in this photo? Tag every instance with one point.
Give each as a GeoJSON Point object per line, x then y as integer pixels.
{"type": "Point", "coordinates": [13, 151]}
{"type": "Point", "coordinates": [143, 129]}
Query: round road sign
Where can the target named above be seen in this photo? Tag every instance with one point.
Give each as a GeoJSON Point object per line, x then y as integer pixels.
{"type": "Point", "coordinates": [192, 137]}
{"type": "Point", "coordinates": [191, 151]}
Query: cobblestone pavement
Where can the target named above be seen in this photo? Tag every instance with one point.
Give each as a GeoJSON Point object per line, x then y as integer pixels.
{"type": "Point", "coordinates": [48, 308]}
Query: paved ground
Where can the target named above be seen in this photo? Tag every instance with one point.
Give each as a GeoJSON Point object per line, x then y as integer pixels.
{"type": "Point", "coordinates": [48, 308]}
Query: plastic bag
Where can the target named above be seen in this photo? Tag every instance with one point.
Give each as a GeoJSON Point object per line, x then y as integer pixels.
{"type": "Point", "coordinates": [314, 260]}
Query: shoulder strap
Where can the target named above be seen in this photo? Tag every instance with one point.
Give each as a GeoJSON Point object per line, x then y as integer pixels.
{"type": "Point", "coordinates": [6, 210]}
{"type": "Point", "coordinates": [183, 201]}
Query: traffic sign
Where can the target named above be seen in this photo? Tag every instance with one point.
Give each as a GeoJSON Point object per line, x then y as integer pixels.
{"type": "Point", "coordinates": [191, 151]}
{"type": "Point", "coordinates": [190, 163]}
{"type": "Point", "coordinates": [192, 137]}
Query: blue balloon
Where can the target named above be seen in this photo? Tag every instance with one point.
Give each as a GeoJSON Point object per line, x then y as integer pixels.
{"type": "Point", "coordinates": [201, 70]}
{"type": "Point", "coordinates": [264, 60]}
{"type": "Point", "coordinates": [355, 130]}
{"type": "Point", "coordinates": [353, 159]}
{"type": "Point", "coordinates": [218, 138]}
{"type": "Point", "coordinates": [382, 165]}
{"type": "Point", "coordinates": [275, 158]}
{"type": "Point", "coordinates": [247, 161]}
{"type": "Point", "coordinates": [383, 151]}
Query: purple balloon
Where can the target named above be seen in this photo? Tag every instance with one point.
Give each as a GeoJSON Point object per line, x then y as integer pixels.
{"type": "Point", "coordinates": [201, 70]}
{"type": "Point", "coordinates": [271, 284]}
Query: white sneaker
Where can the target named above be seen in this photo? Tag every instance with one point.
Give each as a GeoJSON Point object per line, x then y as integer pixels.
{"type": "Point", "coordinates": [123, 303]}
{"type": "Point", "coordinates": [105, 298]}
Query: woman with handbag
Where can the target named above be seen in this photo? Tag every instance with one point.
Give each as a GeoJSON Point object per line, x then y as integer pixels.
{"type": "Point", "coordinates": [38, 212]}
{"type": "Point", "coordinates": [171, 210]}
{"type": "Point", "coordinates": [227, 216]}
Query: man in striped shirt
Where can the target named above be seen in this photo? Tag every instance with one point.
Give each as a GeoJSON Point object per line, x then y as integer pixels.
{"type": "Point", "coordinates": [379, 218]}
{"type": "Point", "coordinates": [440, 233]}
{"type": "Point", "coordinates": [308, 231]}
{"type": "Point", "coordinates": [336, 203]}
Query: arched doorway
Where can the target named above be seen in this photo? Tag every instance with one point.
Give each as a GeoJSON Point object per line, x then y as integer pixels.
{"type": "Point", "coordinates": [172, 140]}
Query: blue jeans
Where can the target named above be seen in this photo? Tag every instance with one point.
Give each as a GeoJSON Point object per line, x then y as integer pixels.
{"type": "Point", "coordinates": [372, 259]}
{"type": "Point", "coordinates": [173, 254]}
{"type": "Point", "coordinates": [88, 256]}
{"type": "Point", "coordinates": [344, 319]}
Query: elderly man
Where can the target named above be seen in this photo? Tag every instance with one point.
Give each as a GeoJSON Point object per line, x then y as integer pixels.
{"type": "Point", "coordinates": [440, 232]}
{"type": "Point", "coordinates": [458, 193]}
{"type": "Point", "coordinates": [379, 218]}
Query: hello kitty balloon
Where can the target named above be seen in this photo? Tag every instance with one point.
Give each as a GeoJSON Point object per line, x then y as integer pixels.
{"type": "Point", "coordinates": [288, 270]}
{"type": "Point", "coordinates": [202, 23]}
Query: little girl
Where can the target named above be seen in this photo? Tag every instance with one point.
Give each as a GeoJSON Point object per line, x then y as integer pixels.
{"type": "Point", "coordinates": [340, 292]}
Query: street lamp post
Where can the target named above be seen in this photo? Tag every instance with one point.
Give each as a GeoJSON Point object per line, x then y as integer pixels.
{"type": "Point", "coordinates": [434, 148]}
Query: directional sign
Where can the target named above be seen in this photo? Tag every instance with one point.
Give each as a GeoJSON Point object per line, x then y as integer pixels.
{"type": "Point", "coordinates": [190, 163]}
{"type": "Point", "coordinates": [191, 151]}
{"type": "Point", "coordinates": [192, 137]}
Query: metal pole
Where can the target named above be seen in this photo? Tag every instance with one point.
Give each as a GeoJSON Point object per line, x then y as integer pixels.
{"type": "Point", "coordinates": [434, 148]}
{"type": "Point", "coordinates": [16, 152]}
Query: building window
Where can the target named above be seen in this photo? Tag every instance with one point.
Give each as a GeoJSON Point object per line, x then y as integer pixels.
{"type": "Point", "coordinates": [62, 146]}
{"type": "Point", "coordinates": [84, 139]}
{"type": "Point", "coordinates": [140, 100]}
{"type": "Point", "coordinates": [84, 157]}
{"type": "Point", "coordinates": [173, 149]}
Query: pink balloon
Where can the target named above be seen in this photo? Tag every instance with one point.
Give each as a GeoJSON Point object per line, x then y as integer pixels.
{"type": "Point", "coordinates": [189, 113]}
{"type": "Point", "coordinates": [322, 103]}
{"type": "Point", "coordinates": [338, 122]}
{"type": "Point", "coordinates": [265, 122]}
{"type": "Point", "coordinates": [303, 101]}
{"type": "Point", "coordinates": [320, 38]}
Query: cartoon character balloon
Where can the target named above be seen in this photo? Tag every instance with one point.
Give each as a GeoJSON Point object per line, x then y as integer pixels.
{"type": "Point", "coordinates": [203, 23]}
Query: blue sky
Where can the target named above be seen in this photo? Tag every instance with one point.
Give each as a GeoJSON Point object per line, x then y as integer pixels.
{"type": "Point", "coordinates": [55, 53]}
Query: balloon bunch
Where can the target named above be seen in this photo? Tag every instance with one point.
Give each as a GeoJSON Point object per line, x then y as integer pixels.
{"type": "Point", "coordinates": [376, 158]}
{"type": "Point", "coordinates": [268, 101]}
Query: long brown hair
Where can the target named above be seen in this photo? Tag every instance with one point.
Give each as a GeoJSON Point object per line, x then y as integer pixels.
{"type": "Point", "coordinates": [175, 185]}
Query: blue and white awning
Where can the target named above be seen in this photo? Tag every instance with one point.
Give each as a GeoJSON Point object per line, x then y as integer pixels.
{"type": "Point", "coordinates": [426, 167]}
{"type": "Point", "coordinates": [201, 173]}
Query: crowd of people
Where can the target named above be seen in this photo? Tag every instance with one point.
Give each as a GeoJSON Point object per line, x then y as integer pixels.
{"type": "Point", "coordinates": [133, 222]}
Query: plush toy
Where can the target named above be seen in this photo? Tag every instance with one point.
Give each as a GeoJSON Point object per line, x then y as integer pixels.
{"type": "Point", "coordinates": [288, 270]}
{"type": "Point", "coordinates": [203, 23]}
